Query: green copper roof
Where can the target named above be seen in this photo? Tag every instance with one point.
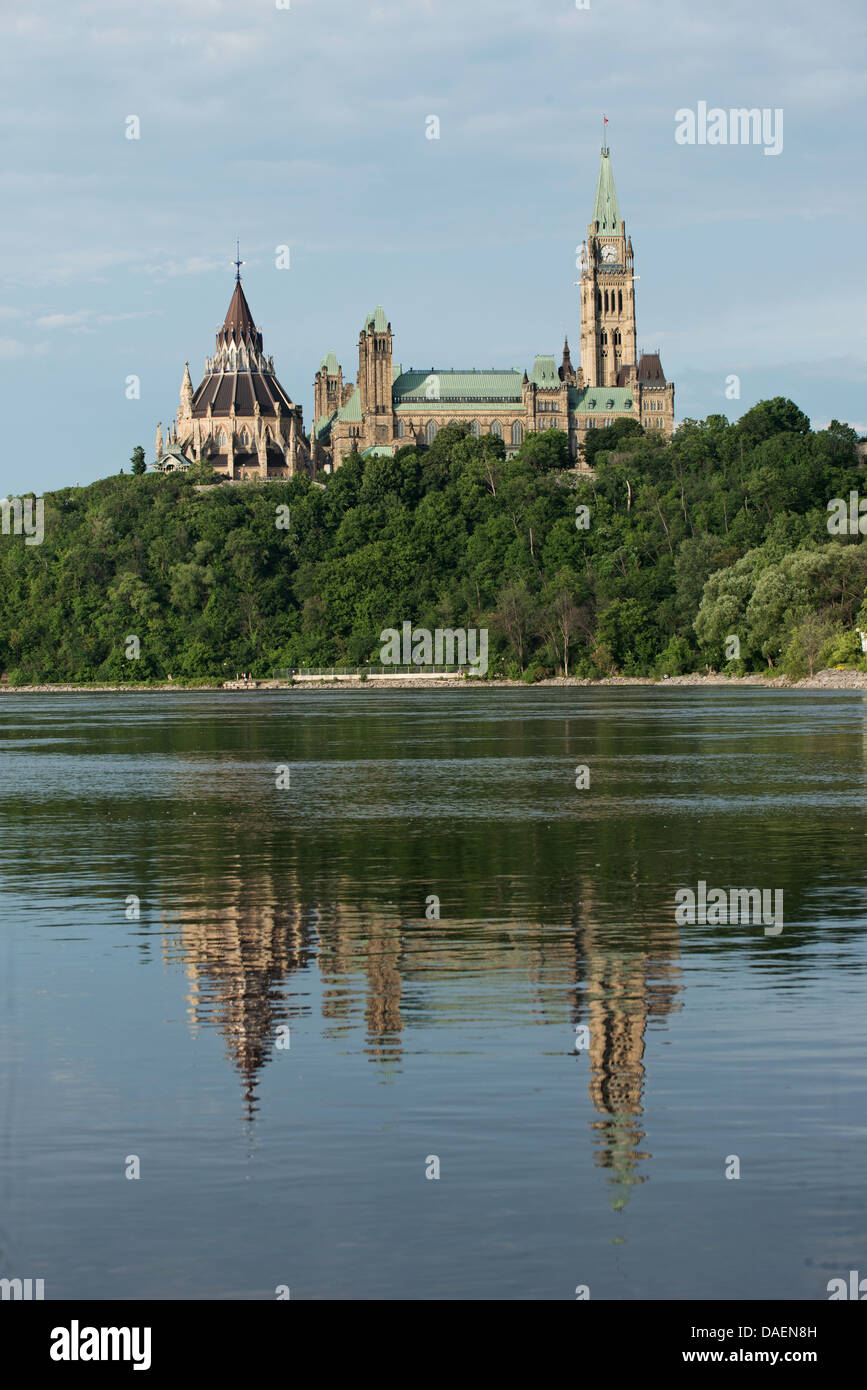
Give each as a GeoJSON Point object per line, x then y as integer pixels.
{"type": "Point", "coordinates": [435, 387]}
{"type": "Point", "coordinates": [323, 425]}
{"type": "Point", "coordinates": [331, 365]}
{"type": "Point", "coordinates": [544, 372]}
{"type": "Point", "coordinates": [377, 451]}
{"type": "Point", "coordinates": [605, 209]}
{"type": "Point", "coordinates": [352, 409]}
{"type": "Point", "coordinates": [599, 400]}
{"type": "Point", "coordinates": [378, 319]}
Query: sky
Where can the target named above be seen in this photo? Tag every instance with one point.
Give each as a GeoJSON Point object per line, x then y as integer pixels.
{"type": "Point", "coordinates": [308, 126]}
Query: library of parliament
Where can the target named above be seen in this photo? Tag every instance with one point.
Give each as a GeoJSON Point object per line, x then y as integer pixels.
{"type": "Point", "coordinates": [243, 422]}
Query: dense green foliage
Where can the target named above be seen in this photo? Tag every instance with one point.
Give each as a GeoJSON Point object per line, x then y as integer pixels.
{"type": "Point", "coordinates": [721, 532]}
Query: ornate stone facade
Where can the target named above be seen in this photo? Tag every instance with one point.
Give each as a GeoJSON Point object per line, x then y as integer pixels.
{"type": "Point", "coordinates": [239, 419]}
{"type": "Point", "coordinates": [390, 407]}
{"type": "Point", "coordinates": [242, 420]}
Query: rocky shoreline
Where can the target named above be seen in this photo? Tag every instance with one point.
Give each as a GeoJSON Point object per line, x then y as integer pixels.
{"type": "Point", "coordinates": [822, 680]}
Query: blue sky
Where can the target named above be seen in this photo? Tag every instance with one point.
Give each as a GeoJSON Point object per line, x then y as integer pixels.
{"type": "Point", "coordinates": [306, 127]}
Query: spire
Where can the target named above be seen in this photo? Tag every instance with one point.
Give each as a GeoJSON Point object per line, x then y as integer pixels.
{"type": "Point", "coordinates": [567, 371]}
{"type": "Point", "coordinates": [238, 323]}
{"type": "Point", "coordinates": [187, 391]}
{"type": "Point", "coordinates": [605, 210]}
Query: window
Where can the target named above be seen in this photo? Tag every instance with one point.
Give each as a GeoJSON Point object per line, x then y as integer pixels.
{"type": "Point", "coordinates": [497, 429]}
{"type": "Point", "coordinates": [617, 337]}
{"type": "Point", "coordinates": [430, 431]}
{"type": "Point", "coordinates": [620, 300]}
{"type": "Point", "coordinates": [474, 429]}
{"type": "Point", "coordinates": [401, 429]}
{"type": "Point", "coordinates": [517, 433]}
{"type": "Point", "coordinates": [221, 438]}
{"type": "Point", "coordinates": [604, 336]}
{"type": "Point", "coordinates": [245, 438]}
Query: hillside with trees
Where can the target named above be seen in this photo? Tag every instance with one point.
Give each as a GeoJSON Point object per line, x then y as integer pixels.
{"type": "Point", "coordinates": [648, 567]}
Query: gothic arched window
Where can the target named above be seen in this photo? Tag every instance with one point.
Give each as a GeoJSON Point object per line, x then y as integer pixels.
{"type": "Point", "coordinates": [401, 429]}
{"type": "Point", "coordinates": [497, 429]}
{"type": "Point", "coordinates": [430, 431]}
{"type": "Point", "coordinates": [245, 438]}
{"type": "Point", "coordinates": [474, 429]}
{"type": "Point", "coordinates": [517, 433]}
{"type": "Point", "coordinates": [604, 337]}
{"type": "Point", "coordinates": [221, 438]}
{"type": "Point", "coordinates": [620, 300]}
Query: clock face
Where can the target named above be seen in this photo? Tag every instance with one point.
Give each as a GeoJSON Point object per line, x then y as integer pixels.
{"type": "Point", "coordinates": [609, 253]}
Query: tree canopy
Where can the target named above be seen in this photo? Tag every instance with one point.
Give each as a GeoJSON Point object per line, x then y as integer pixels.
{"type": "Point", "coordinates": [648, 566]}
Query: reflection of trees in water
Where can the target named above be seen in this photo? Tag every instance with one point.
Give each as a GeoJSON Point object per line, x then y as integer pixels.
{"type": "Point", "coordinates": [239, 955]}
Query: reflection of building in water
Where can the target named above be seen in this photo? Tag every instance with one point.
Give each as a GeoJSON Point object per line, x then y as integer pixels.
{"type": "Point", "coordinates": [626, 988]}
{"type": "Point", "coordinates": [239, 951]}
{"type": "Point", "coordinates": [351, 942]}
{"type": "Point", "coordinates": [236, 955]}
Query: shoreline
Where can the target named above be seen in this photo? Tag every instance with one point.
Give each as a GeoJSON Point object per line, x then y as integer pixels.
{"type": "Point", "coordinates": [844, 679]}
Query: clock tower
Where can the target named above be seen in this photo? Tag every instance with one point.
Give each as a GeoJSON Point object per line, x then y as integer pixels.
{"type": "Point", "coordinates": [607, 289]}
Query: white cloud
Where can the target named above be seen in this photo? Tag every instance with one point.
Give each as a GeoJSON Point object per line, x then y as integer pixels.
{"type": "Point", "coordinates": [12, 349]}
{"type": "Point", "coordinates": [88, 319]}
{"type": "Point", "coordinates": [75, 320]}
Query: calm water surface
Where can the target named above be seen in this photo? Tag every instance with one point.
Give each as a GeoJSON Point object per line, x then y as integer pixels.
{"type": "Point", "coordinates": [171, 918]}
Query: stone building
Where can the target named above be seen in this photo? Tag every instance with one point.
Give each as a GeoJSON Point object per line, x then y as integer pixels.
{"type": "Point", "coordinates": [390, 406]}
{"type": "Point", "coordinates": [240, 419]}
{"type": "Point", "coordinates": [243, 421]}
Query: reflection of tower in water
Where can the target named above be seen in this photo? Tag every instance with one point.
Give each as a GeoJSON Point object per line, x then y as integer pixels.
{"type": "Point", "coordinates": [629, 984]}
{"type": "Point", "coordinates": [236, 955]}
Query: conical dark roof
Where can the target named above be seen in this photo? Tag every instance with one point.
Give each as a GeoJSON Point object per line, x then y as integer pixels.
{"type": "Point", "coordinates": [238, 325]}
{"type": "Point", "coordinates": [243, 379]}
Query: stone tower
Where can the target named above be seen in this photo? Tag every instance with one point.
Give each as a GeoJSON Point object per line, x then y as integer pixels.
{"type": "Point", "coordinates": [375, 376]}
{"type": "Point", "coordinates": [607, 289]}
{"type": "Point", "coordinates": [329, 389]}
